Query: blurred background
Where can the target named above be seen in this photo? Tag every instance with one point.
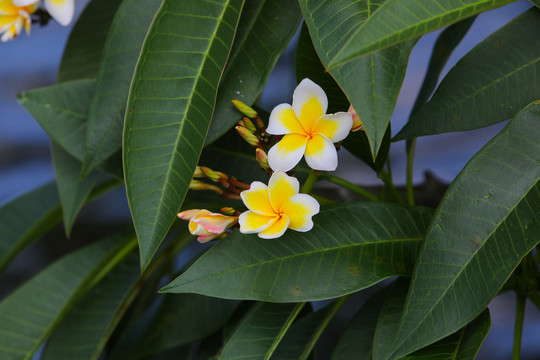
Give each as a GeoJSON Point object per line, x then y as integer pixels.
{"type": "Point", "coordinates": [31, 62]}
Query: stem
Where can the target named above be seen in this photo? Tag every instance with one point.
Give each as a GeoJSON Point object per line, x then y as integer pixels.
{"type": "Point", "coordinates": [410, 159]}
{"type": "Point", "coordinates": [322, 200]}
{"type": "Point", "coordinates": [310, 181]}
{"type": "Point", "coordinates": [387, 179]}
{"type": "Point", "coordinates": [348, 185]}
{"type": "Point", "coordinates": [518, 328]}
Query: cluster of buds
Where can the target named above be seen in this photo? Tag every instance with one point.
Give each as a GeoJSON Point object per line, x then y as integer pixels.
{"type": "Point", "coordinates": [208, 225]}
{"type": "Point", "coordinates": [252, 129]}
{"type": "Point", "coordinates": [225, 186]}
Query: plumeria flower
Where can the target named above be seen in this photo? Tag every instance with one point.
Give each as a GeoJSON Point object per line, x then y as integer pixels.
{"type": "Point", "coordinates": [276, 207]}
{"type": "Point", "coordinates": [14, 17]}
{"type": "Point", "coordinates": [207, 225]}
{"type": "Point", "coordinates": [60, 10]}
{"type": "Point", "coordinates": [307, 130]}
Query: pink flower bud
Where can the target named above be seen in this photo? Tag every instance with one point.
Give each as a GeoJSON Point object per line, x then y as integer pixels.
{"type": "Point", "coordinates": [357, 123]}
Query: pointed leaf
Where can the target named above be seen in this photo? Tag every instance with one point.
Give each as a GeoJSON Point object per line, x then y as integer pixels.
{"type": "Point", "coordinates": [304, 333]}
{"type": "Point", "coordinates": [180, 320]}
{"type": "Point", "coordinates": [31, 313]}
{"type": "Point", "coordinates": [260, 332]}
{"type": "Point", "coordinates": [82, 54]}
{"type": "Point", "coordinates": [335, 258]}
{"type": "Point", "coordinates": [72, 190]}
{"type": "Point", "coordinates": [26, 218]}
{"type": "Point", "coordinates": [169, 109]}
{"type": "Point", "coordinates": [61, 110]}
{"type": "Point", "coordinates": [265, 29]}
{"type": "Point", "coordinates": [120, 55]}
{"type": "Point", "coordinates": [484, 226]}
{"type": "Point", "coordinates": [309, 66]}
{"type": "Point", "coordinates": [372, 83]}
{"type": "Point", "coordinates": [488, 85]}
{"type": "Point", "coordinates": [400, 20]}
{"type": "Point", "coordinates": [85, 331]}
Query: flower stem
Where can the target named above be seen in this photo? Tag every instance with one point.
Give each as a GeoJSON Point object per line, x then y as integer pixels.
{"type": "Point", "coordinates": [411, 145]}
{"type": "Point", "coordinates": [322, 200]}
{"type": "Point", "coordinates": [518, 328]}
{"type": "Point", "coordinates": [310, 181]}
{"type": "Point", "coordinates": [348, 185]}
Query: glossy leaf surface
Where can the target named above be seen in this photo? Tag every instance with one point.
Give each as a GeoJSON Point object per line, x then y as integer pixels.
{"type": "Point", "coordinates": [85, 331]}
{"type": "Point", "coordinates": [487, 221]}
{"type": "Point", "coordinates": [351, 246]}
{"type": "Point", "coordinates": [26, 218]}
{"type": "Point", "coordinates": [30, 314]}
{"type": "Point", "coordinates": [260, 332]}
{"type": "Point", "coordinates": [82, 55]}
{"type": "Point", "coordinates": [372, 83]}
{"type": "Point", "coordinates": [120, 54]}
{"type": "Point", "coordinates": [264, 31]}
{"type": "Point", "coordinates": [72, 190]}
{"type": "Point", "coordinates": [401, 20]}
{"type": "Point", "coordinates": [169, 109]}
{"type": "Point", "coordinates": [488, 85]}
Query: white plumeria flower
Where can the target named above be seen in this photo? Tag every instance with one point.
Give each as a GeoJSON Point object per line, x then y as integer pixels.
{"type": "Point", "coordinates": [307, 130]}
{"type": "Point", "coordinates": [276, 207]}
{"type": "Point", "coordinates": [207, 225]}
{"type": "Point", "coordinates": [60, 10]}
{"type": "Point", "coordinates": [14, 17]}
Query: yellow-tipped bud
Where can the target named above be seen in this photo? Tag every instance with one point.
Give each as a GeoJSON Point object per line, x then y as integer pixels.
{"type": "Point", "coordinates": [228, 210]}
{"type": "Point", "coordinates": [198, 173]}
{"type": "Point", "coordinates": [244, 109]}
{"type": "Point", "coordinates": [249, 125]}
{"type": "Point", "coordinates": [199, 185]}
{"type": "Point", "coordinates": [262, 158]}
{"type": "Point", "coordinates": [248, 136]}
{"type": "Point", "coordinates": [357, 123]}
{"type": "Point", "coordinates": [215, 176]}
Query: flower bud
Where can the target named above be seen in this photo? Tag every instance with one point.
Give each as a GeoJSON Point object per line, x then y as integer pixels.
{"type": "Point", "coordinates": [213, 175]}
{"type": "Point", "coordinates": [248, 136]}
{"type": "Point", "coordinates": [208, 226]}
{"type": "Point", "coordinates": [262, 158]}
{"type": "Point", "coordinates": [199, 185]}
{"type": "Point", "coordinates": [244, 109]}
{"type": "Point", "coordinates": [357, 123]}
{"type": "Point", "coordinates": [198, 173]}
{"type": "Point", "coordinates": [249, 125]}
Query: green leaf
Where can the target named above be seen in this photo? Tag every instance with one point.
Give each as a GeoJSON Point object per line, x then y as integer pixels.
{"type": "Point", "coordinates": [484, 226]}
{"type": "Point", "coordinates": [309, 66]}
{"type": "Point", "coordinates": [488, 85]}
{"type": "Point", "coordinates": [260, 332]}
{"type": "Point", "coordinates": [26, 218]}
{"type": "Point", "coordinates": [31, 313]}
{"type": "Point", "coordinates": [357, 338]}
{"type": "Point", "coordinates": [86, 330]}
{"type": "Point", "coordinates": [72, 190]}
{"type": "Point", "coordinates": [61, 110]}
{"type": "Point", "coordinates": [169, 109]}
{"type": "Point", "coordinates": [180, 320]}
{"type": "Point", "coordinates": [400, 20]}
{"type": "Point", "coordinates": [82, 54]}
{"type": "Point", "coordinates": [372, 83]}
{"type": "Point", "coordinates": [536, 3]}
{"type": "Point", "coordinates": [264, 31]}
{"type": "Point", "coordinates": [304, 333]}
{"type": "Point", "coordinates": [351, 246]}
{"type": "Point", "coordinates": [120, 55]}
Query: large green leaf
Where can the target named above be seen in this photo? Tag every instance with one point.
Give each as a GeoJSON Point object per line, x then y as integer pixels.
{"type": "Point", "coordinates": [484, 226]}
{"type": "Point", "coordinates": [265, 29]}
{"type": "Point", "coordinates": [82, 54]}
{"type": "Point", "coordinates": [62, 111]}
{"type": "Point", "coordinates": [26, 218]}
{"type": "Point", "coordinates": [85, 331]}
{"type": "Point", "coordinates": [31, 313]}
{"type": "Point", "coordinates": [536, 2]}
{"type": "Point", "coordinates": [400, 20]}
{"type": "Point", "coordinates": [120, 54]}
{"type": "Point", "coordinates": [169, 109]}
{"type": "Point", "coordinates": [309, 66]}
{"type": "Point", "coordinates": [72, 190]}
{"type": "Point", "coordinates": [303, 334]}
{"type": "Point", "coordinates": [180, 320]}
{"type": "Point", "coordinates": [260, 332]}
{"type": "Point", "coordinates": [372, 83]}
{"type": "Point", "coordinates": [351, 246]}
{"type": "Point", "coordinates": [488, 85]}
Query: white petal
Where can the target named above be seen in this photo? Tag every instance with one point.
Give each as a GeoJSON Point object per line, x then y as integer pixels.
{"type": "Point", "coordinates": [335, 127]}
{"type": "Point", "coordinates": [287, 153]}
{"type": "Point", "coordinates": [309, 103]}
{"type": "Point", "coordinates": [321, 153]}
{"type": "Point", "coordinates": [283, 121]}
{"type": "Point", "coordinates": [61, 10]}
